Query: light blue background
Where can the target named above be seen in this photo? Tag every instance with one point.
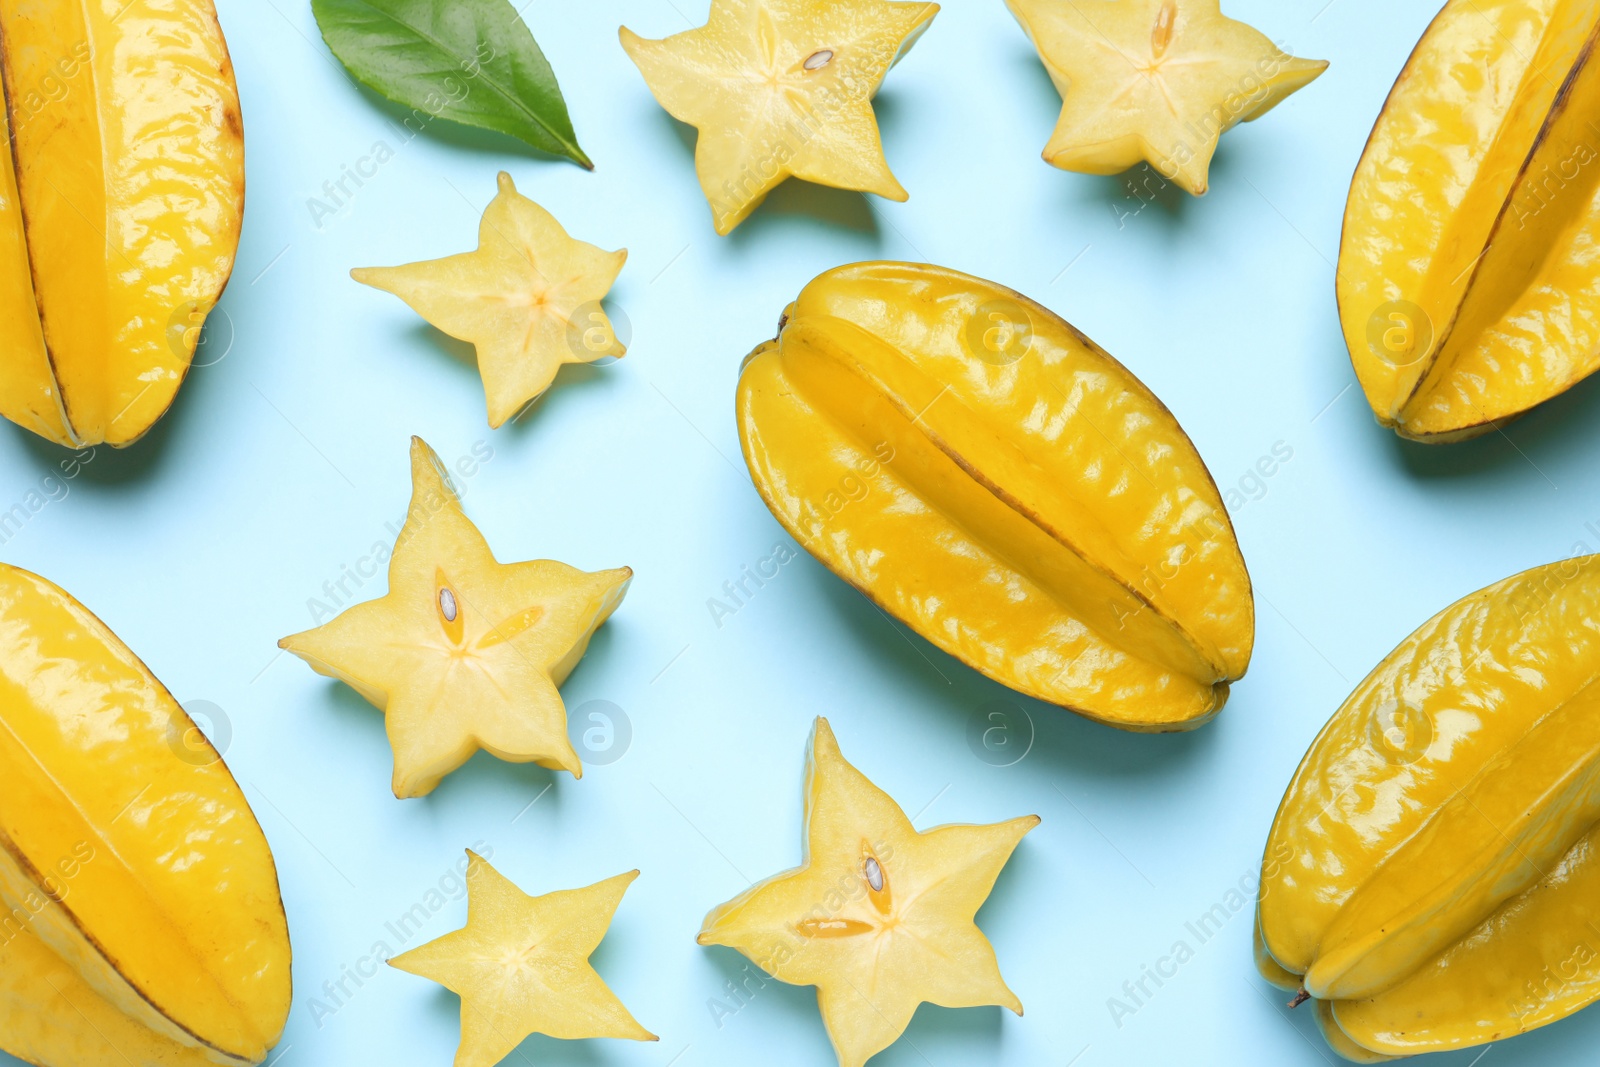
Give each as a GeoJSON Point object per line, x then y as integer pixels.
{"type": "Point", "coordinates": [283, 462]}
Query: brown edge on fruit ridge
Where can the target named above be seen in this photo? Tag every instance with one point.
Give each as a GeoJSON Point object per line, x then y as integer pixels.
{"type": "Point", "coordinates": [1220, 688]}
{"type": "Point", "coordinates": [56, 392]}
{"type": "Point", "coordinates": [95, 623]}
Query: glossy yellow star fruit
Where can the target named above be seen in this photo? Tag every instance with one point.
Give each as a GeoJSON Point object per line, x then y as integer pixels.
{"type": "Point", "coordinates": [141, 919]}
{"type": "Point", "coordinates": [121, 194]}
{"type": "Point", "coordinates": [528, 299]}
{"type": "Point", "coordinates": [1433, 874]}
{"type": "Point", "coordinates": [986, 474]}
{"type": "Point", "coordinates": [464, 652]}
{"type": "Point", "coordinates": [878, 916]}
{"type": "Point", "coordinates": [779, 89]}
{"type": "Point", "coordinates": [1467, 282]}
{"type": "Point", "coordinates": [521, 965]}
{"type": "Point", "coordinates": [1154, 80]}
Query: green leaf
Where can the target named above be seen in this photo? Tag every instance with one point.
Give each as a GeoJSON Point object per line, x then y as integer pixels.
{"type": "Point", "coordinates": [470, 61]}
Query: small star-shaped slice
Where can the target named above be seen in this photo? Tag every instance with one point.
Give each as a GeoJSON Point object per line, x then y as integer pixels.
{"type": "Point", "coordinates": [464, 652]}
{"type": "Point", "coordinates": [1157, 80]}
{"type": "Point", "coordinates": [878, 917]}
{"type": "Point", "coordinates": [528, 299]}
{"type": "Point", "coordinates": [781, 88]}
{"type": "Point", "coordinates": [521, 965]}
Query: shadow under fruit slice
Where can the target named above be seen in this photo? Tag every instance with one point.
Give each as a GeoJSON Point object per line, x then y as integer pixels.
{"type": "Point", "coordinates": [988, 475]}
{"type": "Point", "coordinates": [143, 922]}
{"type": "Point", "coordinates": [1467, 282]}
{"type": "Point", "coordinates": [1433, 868]}
{"type": "Point", "coordinates": [121, 193]}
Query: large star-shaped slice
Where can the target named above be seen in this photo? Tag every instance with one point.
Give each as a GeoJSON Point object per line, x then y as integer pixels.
{"type": "Point", "coordinates": [1157, 80]}
{"type": "Point", "coordinates": [464, 652]}
{"type": "Point", "coordinates": [528, 299]}
{"type": "Point", "coordinates": [781, 88]}
{"type": "Point", "coordinates": [521, 965]}
{"type": "Point", "coordinates": [878, 917]}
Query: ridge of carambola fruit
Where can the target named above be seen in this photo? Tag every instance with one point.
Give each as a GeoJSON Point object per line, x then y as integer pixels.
{"type": "Point", "coordinates": [985, 473]}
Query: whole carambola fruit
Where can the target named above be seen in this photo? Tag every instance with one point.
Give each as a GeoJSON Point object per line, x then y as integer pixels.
{"type": "Point", "coordinates": [142, 924]}
{"type": "Point", "coordinates": [1468, 285]}
{"type": "Point", "coordinates": [121, 194]}
{"type": "Point", "coordinates": [1433, 875]}
{"type": "Point", "coordinates": [988, 475]}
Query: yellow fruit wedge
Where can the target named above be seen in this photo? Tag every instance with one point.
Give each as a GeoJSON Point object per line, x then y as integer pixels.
{"type": "Point", "coordinates": [143, 918]}
{"type": "Point", "coordinates": [521, 965]}
{"type": "Point", "coordinates": [1433, 842]}
{"type": "Point", "coordinates": [986, 474]}
{"type": "Point", "coordinates": [121, 195]}
{"type": "Point", "coordinates": [464, 652]}
{"type": "Point", "coordinates": [527, 299]}
{"type": "Point", "coordinates": [1467, 284]}
{"type": "Point", "coordinates": [780, 89]}
{"type": "Point", "coordinates": [878, 916]}
{"type": "Point", "coordinates": [1154, 80]}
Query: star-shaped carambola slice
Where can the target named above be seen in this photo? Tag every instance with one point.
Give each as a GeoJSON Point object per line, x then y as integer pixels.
{"type": "Point", "coordinates": [1157, 80]}
{"type": "Point", "coordinates": [781, 88]}
{"type": "Point", "coordinates": [464, 652]}
{"type": "Point", "coordinates": [528, 299]}
{"type": "Point", "coordinates": [521, 965]}
{"type": "Point", "coordinates": [878, 917]}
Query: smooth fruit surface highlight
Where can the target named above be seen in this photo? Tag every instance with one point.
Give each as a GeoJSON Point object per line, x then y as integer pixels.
{"type": "Point", "coordinates": [1467, 282]}
{"type": "Point", "coordinates": [985, 473]}
{"type": "Point", "coordinates": [1434, 860]}
{"type": "Point", "coordinates": [121, 196]}
{"type": "Point", "coordinates": [143, 917]}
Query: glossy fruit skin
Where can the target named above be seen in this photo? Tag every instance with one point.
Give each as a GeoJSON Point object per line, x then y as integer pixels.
{"type": "Point", "coordinates": [137, 883]}
{"type": "Point", "coordinates": [986, 474]}
{"type": "Point", "coordinates": [121, 198]}
{"type": "Point", "coordinates": [1435, 859]}
{"type": "Point", "coordinates": [1467, 286]}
